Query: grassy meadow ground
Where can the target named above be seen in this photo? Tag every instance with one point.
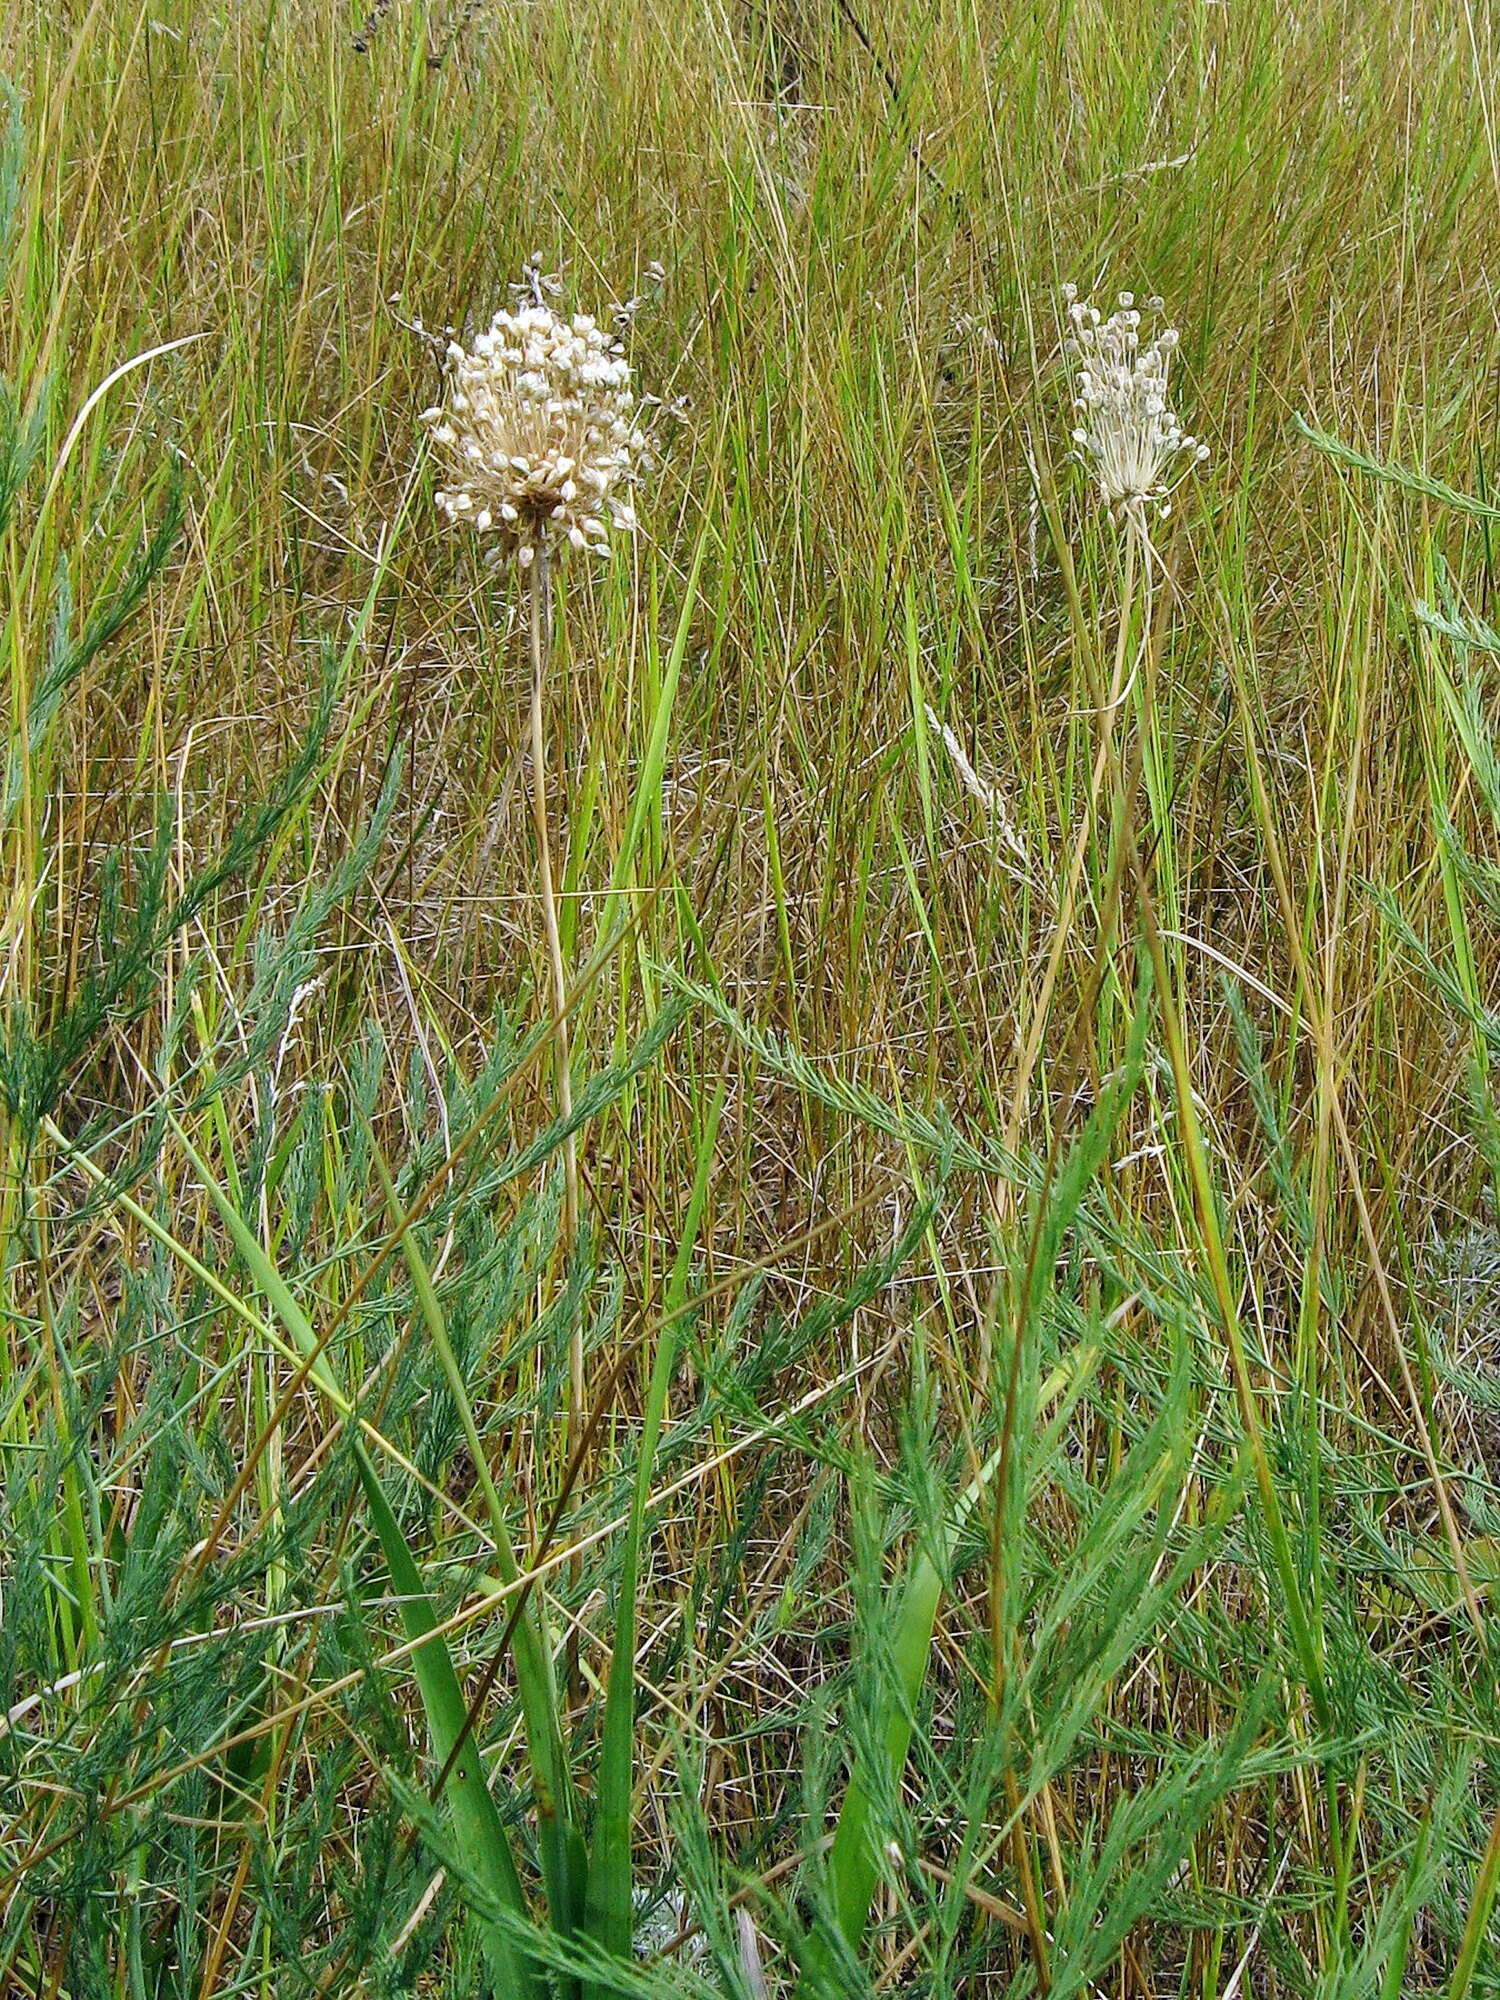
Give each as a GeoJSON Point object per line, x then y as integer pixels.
{"type": "Point", "coordinates": [1033, 1526]}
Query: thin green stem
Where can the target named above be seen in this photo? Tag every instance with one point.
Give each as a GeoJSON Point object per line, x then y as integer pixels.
{"type": "Point", "coordinates": [538, 590]}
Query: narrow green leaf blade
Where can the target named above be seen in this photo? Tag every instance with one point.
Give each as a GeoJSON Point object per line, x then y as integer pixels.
{"type": "Point", "coordinates": [476, 1822]}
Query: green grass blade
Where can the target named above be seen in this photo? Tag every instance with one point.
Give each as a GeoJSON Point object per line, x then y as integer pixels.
{"type": "Point", "coordinates": [1420, 483]}
{"type": "Point", "coordinates": [1476, 1929]}
{"type": "Point", "coordinates": [476, 1822]}
{"type": "Point", "coordinates": [609, 1892]}
{"type": "Point", "coordinates": [557, 1832]}
{"type": "Point", "coordinates": [648, 787]}
{"type": "Point", "coordinates": [853, 1864]}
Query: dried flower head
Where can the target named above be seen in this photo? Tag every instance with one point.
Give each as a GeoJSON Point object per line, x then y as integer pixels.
{"type": "Point", "coordinates": [535, 434]}
{"type": "Point", "coordinates": [1127, 433]}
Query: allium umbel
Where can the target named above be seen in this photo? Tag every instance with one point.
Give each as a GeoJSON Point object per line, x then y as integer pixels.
{"type": "Point", "coordinates": [534, 434]}
{"type": "Point", "coordinates": [1127, 433]}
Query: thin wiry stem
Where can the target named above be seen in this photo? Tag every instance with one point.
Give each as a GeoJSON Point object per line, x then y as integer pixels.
{"type": "Point", "coordinates": [539, 594]}
{"type": "Point", "coordinates": [1041, 1004]}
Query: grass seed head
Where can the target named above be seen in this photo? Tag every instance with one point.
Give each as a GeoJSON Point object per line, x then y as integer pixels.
{"type": "Point", "coordinates": [1127, 433]}
{"type": "Point", "coordinates": [535, 434]}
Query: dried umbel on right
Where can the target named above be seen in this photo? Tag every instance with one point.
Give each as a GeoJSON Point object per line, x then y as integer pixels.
{"type": "Point", "coordinates": [1127, 433]}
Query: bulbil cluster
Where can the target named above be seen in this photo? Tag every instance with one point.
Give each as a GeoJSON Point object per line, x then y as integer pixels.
{"type": "Point", "coordinates": [535, 434]}
{"type": "Point", "coordinates": [1127, 433]}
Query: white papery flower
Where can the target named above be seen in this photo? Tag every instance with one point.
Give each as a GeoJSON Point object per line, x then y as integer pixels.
{"type": "Point", "coordinates": [1127, 433]}
{"type": "Point", "coordinates": [534, 434]}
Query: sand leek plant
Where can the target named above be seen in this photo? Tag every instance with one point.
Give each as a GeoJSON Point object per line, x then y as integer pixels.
{"type": "Point", "coordinates": [539, 451]}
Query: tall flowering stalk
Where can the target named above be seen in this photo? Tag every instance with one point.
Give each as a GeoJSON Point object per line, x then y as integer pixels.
{"type": "Point", "coordinates": [538, 452]}
{"type": "Point", "coordinates": [1133, 445]}
{"type": "Point", "coordinates": [1132, 442]}
{"type": "Point", "coordinates": [1129, 439]}
{"type": "Point", "coordinates": [1138, 452]}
